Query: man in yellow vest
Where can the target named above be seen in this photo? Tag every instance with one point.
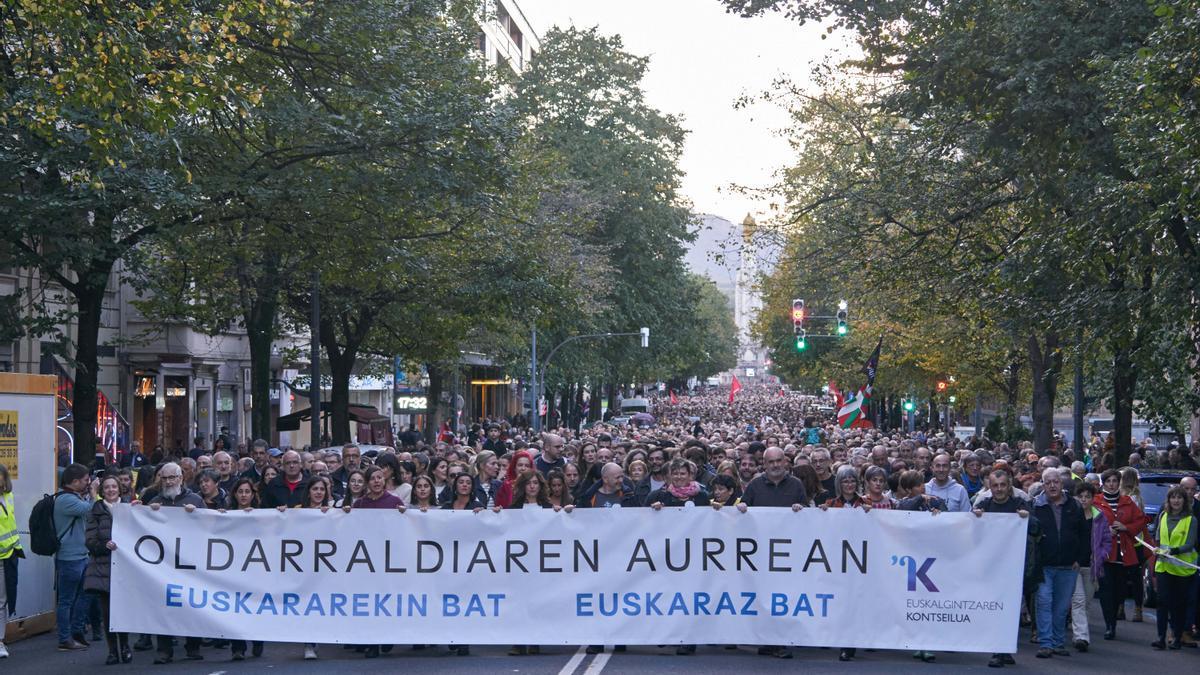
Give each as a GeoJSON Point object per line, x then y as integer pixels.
{"type": "Point", "coordinates": [10, 551]}
{"type": "Point", "coordinates": [1175, 566]}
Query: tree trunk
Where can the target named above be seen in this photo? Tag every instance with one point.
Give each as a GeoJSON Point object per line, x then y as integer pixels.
{"type": "Point", "coordinates": [613, 388]}
{"type": "Point", "coordinates": [1045, 367]}
{"type": "Point", "coordinates": [90, 296]}
{"type": "Point", "coordinates": [1124, 388]}
{"type": "Point", "coordinates": [578, 404]}
{"type": "Point", "coordinates": [342, 357]}
{"type": "Point", "coordinates": [433, 402]}
{"type": "Point", "coordinates": [340, 368]}
{"type": "Point", "coordinates": [260, 331]}
{"type": "Point", "coordinates": [597, 395]}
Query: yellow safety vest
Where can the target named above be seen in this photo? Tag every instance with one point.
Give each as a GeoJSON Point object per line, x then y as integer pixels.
{"type": "Point", "coordinates": [1171, 539]}
{"type": "Point", "coordinates": [9, 541]}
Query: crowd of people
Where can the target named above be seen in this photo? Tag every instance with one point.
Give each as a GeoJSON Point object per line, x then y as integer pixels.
{"type": "Point", "coordinates": [1088, 532]}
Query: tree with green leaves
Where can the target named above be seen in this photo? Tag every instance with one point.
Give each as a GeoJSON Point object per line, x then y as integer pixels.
{"type": "Point", "coordinates": [1005, 163]}
{"type": "Point", "coordinates": [584, 102]}
{"type": "Point", "coordinates": [380, 135]}
{"type": "Point", "coordinates": [90, 168]}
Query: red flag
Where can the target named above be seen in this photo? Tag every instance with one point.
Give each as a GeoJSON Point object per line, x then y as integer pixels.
{"type": "Point", "coordinates": [674, 399]}
{"type": "Point", "coordinates": [735, 388]}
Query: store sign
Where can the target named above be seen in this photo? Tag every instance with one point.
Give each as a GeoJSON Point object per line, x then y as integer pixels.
{"type": "Point", "coordinates": [8, 441]}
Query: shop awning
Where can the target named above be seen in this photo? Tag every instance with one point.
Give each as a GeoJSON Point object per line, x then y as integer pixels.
{"type": "Point", "coordinates": [363, 414]}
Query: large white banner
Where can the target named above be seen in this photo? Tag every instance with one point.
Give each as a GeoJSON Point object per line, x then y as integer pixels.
{"type": "Point", "coordinates": [841, 578]}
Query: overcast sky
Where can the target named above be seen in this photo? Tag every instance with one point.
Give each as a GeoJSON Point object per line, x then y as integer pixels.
{"type": "Point", "coordinates": [701, 61]}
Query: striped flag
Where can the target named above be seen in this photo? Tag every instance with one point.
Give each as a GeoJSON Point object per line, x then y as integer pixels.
{"type": "Point", "coordinates": [852, 411]}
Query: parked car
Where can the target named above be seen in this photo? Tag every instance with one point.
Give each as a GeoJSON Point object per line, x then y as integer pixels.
{"type": "Point", "coordinates": [1154, 486]}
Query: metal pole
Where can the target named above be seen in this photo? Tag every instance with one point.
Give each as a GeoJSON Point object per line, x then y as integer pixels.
{"type": "Point", "coordinates": [533, 385]}
{"type": "Point", "coordinates": [314, 388]}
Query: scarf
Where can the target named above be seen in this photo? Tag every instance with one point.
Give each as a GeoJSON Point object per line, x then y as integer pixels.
{"type": "Point", "coordinates": [1112, 498]}
{"type": "Point", "coordinates": [684, 493]}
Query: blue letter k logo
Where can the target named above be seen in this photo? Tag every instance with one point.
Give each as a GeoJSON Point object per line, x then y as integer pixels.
{"type": "Point", "coordinates": [921, 573]}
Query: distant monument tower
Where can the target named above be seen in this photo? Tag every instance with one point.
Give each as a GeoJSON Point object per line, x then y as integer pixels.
{"type": "Point", "coordinates": [747, 305]}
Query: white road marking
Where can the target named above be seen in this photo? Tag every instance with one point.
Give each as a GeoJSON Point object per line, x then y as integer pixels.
{"type": "Point", "coordinates": [573, 662]}
{"type": "Point", "coordinates": [597, 664]}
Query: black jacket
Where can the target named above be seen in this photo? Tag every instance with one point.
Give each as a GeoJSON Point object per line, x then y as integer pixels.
{"type": "Point", "coordinates": [628, 498]}
{"type": "Point", "coordinates": [96, 537]}
{"type": "Point", "coordinates": [276, 493]}
{"type": "Point", "coordinates": [1065, 546]}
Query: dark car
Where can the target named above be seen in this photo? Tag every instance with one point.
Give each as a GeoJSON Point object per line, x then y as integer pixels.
{"type": "Point", "coordinates": [1154, 486]}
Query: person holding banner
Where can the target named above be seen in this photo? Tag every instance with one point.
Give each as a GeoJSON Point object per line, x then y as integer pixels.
{"type": "Point", "coordinates": [172, 493]}
{"type": "Point", "coordinates": [612, 491]}
{"type": "Point", "coordinates": [243, 497]}
{"type": "Point", "coordinates": [1002, 499]}
{"type": "Point", "coordinates": [318, 496]}
{"type": "Point", "coordinates": [683, 490]}
{"type": "Point", "coordinates": [778, 488]}
{"type": "Point", "coordinates": [1175, 566]}
{"type": "Point", "coordinates": [848, 498]}
{"type": "Point", "coordinates": [377, 497]}
{"type": "Point", "coordinates": [532, 491]}
{"type": "Point", "coordinates": [96, 579]}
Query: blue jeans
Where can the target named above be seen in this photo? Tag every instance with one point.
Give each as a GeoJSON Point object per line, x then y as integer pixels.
{"type": "Point", "coordinates": [1053, 603]}
{"type": "Point", "coordinates": [72, 601]}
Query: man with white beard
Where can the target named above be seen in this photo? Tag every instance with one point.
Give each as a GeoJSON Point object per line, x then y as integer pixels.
{"type": "Point", "coordinates": [172, 492]}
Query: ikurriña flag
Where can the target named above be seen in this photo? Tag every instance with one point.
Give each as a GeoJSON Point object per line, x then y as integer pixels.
{"type": "Point", "coordinates": [852, 411]}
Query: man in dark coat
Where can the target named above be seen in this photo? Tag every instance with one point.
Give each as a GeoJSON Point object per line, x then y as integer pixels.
{"type": "Point", "coordinates": [173, 493]}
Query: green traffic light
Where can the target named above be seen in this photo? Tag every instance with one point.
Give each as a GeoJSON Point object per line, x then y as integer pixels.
{"type": "Point", "coordinates": [841, 329]}
{"type": "Point", "coordinates": [953, 399]}
{"type": "Point", "coordinates": [908, 405]}
{"type": "Point", "coordinates": [801, 344]}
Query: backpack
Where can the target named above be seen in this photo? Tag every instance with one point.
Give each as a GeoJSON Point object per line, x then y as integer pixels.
{"type": "Point", "coordinates": [43, 536]}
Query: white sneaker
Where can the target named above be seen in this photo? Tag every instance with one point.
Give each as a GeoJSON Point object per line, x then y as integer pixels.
{"type": "Point", "coordinates": [3, 651]}
{"type": "Point", "coordinates": [310, 653]}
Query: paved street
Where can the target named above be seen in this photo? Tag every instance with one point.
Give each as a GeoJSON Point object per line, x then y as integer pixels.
{"type": "Point", "coordinates": [1129, 653]}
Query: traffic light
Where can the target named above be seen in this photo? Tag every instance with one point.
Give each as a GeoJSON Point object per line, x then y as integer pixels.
{"type": "Point", "coordinates": [801, 340]}
{"type": "Point", "coordinates": [797, 315]}
{"type": "Point", "coordinates": [953, 398]}
{"type": "Point", "coordinates": [942, 386]}
{"type": "Point", "coordinates": [909, 405]}
{"type": "Point", "coordinates": [843, 315]}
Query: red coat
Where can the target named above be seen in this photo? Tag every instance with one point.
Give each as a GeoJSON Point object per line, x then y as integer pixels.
{"type": "Point", "coordinates": [1134, 520]}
